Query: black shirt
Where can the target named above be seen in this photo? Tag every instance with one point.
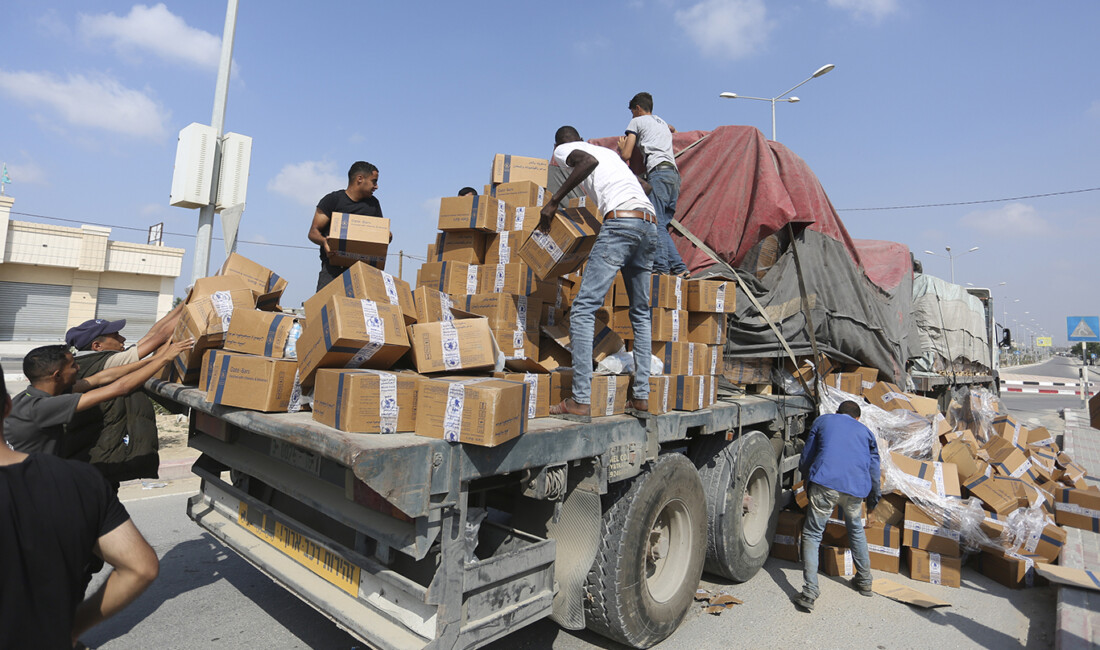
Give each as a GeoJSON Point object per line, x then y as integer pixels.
{"type": "Point", "coordinates": [339, 201]}
{"type": "Point", "coordinates": [52, 511]}
{"type": "Point", "coordinates": [38, 420]}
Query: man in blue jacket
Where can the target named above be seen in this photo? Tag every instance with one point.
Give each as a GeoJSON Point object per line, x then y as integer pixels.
{"type": "Point", "coordinates": [841, 465]}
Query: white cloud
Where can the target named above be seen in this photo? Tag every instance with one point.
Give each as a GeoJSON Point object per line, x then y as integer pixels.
{"type": "Point", "coordinates": [732, 29]}
{"type": "Point", "coordinates": [26, 173]}
{"type": "Point", "coordinates": [156, 30]}
{"type": "Point", "coordinates": [867, 9]}
{"type": "Point", "coordinates": [101, 102]}
{"type": "Point", "coordinates": [1012, 220]}
{"type": "Point", "coordinates": [306, 182]}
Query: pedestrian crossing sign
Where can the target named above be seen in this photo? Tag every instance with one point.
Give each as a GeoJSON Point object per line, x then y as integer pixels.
{"type": "Point", "coordinates": [1083, 328]}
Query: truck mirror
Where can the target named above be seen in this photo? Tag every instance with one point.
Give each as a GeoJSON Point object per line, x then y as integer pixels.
{"type": "Point", "coordinates": [1006, 342]}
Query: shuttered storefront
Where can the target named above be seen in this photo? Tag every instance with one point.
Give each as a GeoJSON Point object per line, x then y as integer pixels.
{"type": "Point", "coordinates": [33, 312]}
{"type": "Point", "coordinates": [139, 308]}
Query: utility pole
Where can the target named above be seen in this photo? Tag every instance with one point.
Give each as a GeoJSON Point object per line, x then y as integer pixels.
{"type": "Point", "coordinates": [400, 264]}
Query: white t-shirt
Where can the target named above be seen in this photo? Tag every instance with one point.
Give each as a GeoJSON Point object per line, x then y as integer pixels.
{"type": "Point", "coordinates": [612, 184]}
{"type": "Point", "coordinates": [654, 139]}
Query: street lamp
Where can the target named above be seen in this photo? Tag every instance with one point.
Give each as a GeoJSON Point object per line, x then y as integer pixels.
{"type": "Point", "coordinates": [828, 67]}
{"type": "Point", "coordinates": [951, 257]}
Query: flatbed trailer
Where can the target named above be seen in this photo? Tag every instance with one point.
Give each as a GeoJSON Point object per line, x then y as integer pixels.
{"type": "Point", "coordinates": [606, 525]}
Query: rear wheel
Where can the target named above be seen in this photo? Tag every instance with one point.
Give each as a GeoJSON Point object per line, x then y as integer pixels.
{"type": "Point", "coordinates": [741, 482]}
{"type": "Point", "coordinates": [651, 554]}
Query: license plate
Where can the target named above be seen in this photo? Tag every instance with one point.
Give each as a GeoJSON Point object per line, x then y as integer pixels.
{"type": "Point", "coordinates": [300, 458]}
{"type": "Point", "coordinates": [331, 566]}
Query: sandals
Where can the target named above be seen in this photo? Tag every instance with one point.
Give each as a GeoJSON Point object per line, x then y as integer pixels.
{"type": "Point", "coordinates": [572, 411]}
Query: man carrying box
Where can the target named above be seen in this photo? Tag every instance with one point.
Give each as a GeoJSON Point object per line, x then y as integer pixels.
{"type": "Point", "coordinates": [627, 241]}
{"type": "Point", "coordinates": [358, 198]}
{"type": "Point", "coordinates": [841, 464]}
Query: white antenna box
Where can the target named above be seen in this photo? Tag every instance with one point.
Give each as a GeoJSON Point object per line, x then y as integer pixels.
{"type": "Point", "coordinates": [193, 174]}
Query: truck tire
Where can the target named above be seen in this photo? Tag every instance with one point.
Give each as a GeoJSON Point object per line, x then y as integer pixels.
{"type": "Point", "coordinates": [651, 554]}
{"type": "Point", "coordinates": [741, 482]}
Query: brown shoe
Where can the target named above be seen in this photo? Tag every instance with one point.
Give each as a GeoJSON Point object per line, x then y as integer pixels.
{"type": "Point", "coordinates": [568, 409]}
{"type": "Point", "coordinates": [638, 408]}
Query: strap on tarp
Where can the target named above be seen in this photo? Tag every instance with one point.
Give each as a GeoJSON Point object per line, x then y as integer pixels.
{"type": "Point", "coordinates": [806, 313]}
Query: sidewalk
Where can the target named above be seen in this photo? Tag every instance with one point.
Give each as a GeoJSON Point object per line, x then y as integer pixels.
{"type": "Point", "coordinates": [1078, 614]}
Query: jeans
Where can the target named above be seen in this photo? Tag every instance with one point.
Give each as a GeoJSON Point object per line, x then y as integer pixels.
{"type": "Point", "coordinates": [666, 189]}
{"type": "Point", "coordinates": [625, 244]}
{"type": "Point", "coordinates": [822, 502]}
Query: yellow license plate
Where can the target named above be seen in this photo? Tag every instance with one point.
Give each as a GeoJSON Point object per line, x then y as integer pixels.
{"type": "Point", "coordinates": [330, 566]}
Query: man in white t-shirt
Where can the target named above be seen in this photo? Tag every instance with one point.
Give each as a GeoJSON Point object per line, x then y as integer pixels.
{"type": "Point", "coordinates": [653, 136]}
{"type": "Point", "coordinates": [627, 242]}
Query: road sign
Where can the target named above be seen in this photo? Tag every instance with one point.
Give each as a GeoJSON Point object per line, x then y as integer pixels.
{"type": "Point", "coordinates": [1044, 341]}
{"type": "Point", "coordinates": [1083, 328]}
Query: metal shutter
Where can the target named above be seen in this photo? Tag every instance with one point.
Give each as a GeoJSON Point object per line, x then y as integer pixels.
{"type": "Point", "coordinates": [33, 312]}
{"type": "Point", "coordinates": [139, 308]}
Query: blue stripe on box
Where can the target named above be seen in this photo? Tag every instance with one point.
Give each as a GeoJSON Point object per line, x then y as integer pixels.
{"type": "Point", "coordinates": [971, 486]}
{"type": "Point", "coordinates": [1092, 576]}
{"type": "Point", "coordinates": [269, 342]}
{"type": "Point", "coordinates": [440, 242]}
{"type": "Point", "coordinates": [342, 245]}
{"type": "Point", "coordinates": [339, 398]}
{"type": "Point", "coordinates": [923, 471]}
{"type": "Point", "coordinates": [1050, 540]}
{"type": "Point", "coordinates": [442, 276]}
{"type": "Point", "coordinates": [210, 369]}
{"type": "Point", "coordinates": [349, 290]}
{"type": "Point", "coordinates": [916, 538]}
{"type": "Point", "coordinates": [473, 211]}
{"type": "Point", "coordinates": [526, 400]}
{"type": "Point", "coordinates": [324, 328]}
{"type": "Point", "coordinates": [223, 374]}
{"type": "Point", "coordinates": [469, 301]}
{"type": "Point", "coordinates": [507, 167]}
{"type": "Point", "coordinates": [668, 357]}
{"type": "Point", "coordinates": [272, 281]}
{"type": "Point", "coordinates": [679, 391]}
{"type": "Point", "coordinates": [886, 536]}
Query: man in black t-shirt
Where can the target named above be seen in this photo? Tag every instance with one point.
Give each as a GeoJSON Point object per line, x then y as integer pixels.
{"type": "Point", "coordinates": [55, 514]}
{"type": "Point", "coordinates": [358, 198]}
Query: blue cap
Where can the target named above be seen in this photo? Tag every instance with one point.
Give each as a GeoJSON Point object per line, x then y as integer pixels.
{"type": "Point", "coordinates": [81, 336]}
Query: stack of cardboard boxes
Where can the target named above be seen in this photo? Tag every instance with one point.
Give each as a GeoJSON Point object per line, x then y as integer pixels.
{"type": "Point", "coordinates": [1025, 485]}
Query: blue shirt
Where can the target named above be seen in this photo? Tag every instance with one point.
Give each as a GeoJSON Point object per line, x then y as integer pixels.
{"type": "Point", "coordinates": [841, 454]}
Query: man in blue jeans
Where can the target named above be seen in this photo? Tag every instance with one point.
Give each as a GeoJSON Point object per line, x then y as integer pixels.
{"type": "Point", "coordinates": [841, 466]}
{"type": "Point", "coordinates": [627, 241]}
{"type": "Point", "coordinates": [653, 136]}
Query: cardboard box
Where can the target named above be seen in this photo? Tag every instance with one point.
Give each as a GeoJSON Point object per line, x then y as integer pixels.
{"type": "Point", "coordinates": [584, 207]}
{"type": "Point", "coordinates": [609, 394]}
{"type": "Point", "coordinates": [787, 543]}
{"type": "Point", "coordinates": [466, 246]}
{"type": "Point", "coordinates": [837, 561]}
{"type": "Point", "coordinates": [520, 349]}
{"type": "Point", "coordinates": [505, 311]}
{"type": "Point", "coordinates": [934, 568]}
{"type": "Point", "coordinates": [515, 278]}
{"type": "Point", "coordinates": [538, 391]}
{"type": "Point", "coordinates": [849, 382]}
{"type": "Point", "coordinates": [208, 286]}
{"type": "Point", "coordinates": [1011, 462]}
{"type": "Point", "coordinates": [798, 493]}
{"type": "Point", "coordinates": [925, 406]}
{"type": "Point", "coordinates": [251, 382]}
{"type": "Point", "coordinates": [1013, 570]}
{"type": "Point", "coordinates": [358, 238]}
{"type": "Point", "coordinates": [520, 193]}
{"type": "Point", "coordinates": [939, 478]}
{"type": "Point", "coordinates": [1040, 437]}
{"type": "Point", "coordinates": [364, 281]}
{"type": "Point", "coordinates": [620, 323]}
{"type": "Point", "coordinates": [692, 393]}
{"type": "Point", "coordinates": [460, 345]}
{"type": "Point", "coordinates": [1077, 508]}
{"type": "Point", "coordinates": [712, 296]}
{"type": "Point", "coordinates": [266, 285]}
{"type": "Point", "coordinates": [959, 454]}
{"type": "Point", "coordinates": [996, 494]}
{"type": "Point", "coordinates": [707, 328]}
{"type": "Point", "coordinates": [351, 333]}
{"type": "Point", "coordinates": [483, 411]}
{"type": "Point", "coordinates": [836, 530]}
{"type": "Point", "coordinates": [605, 342]}
{"type": "Point", "coordinates": [510, 169]}
{"type": "Point", "coordinates": [561, 385]}
{"type": "Point", "coordinates": [433, 305]}
{"type": "Point", "coordinates": [1011, 430]}
{"type": "Point", "coordinates": [924, 532]}
{"type": "Point", "coordinates": [660, 388]}
{"type": "Point", "coordinates": [503, 247]}
{"type": "Point", "coordinates": [365, 401]}
{"type": "Point", "coordinates": [206, 318]}
{"type": "Point", "coordinates": [889, 511]}
{"type": "Point", "coordinates": [473, 212]}
{"type": "Point", "coordinates": [666, 292]}
{"type": "Point", "coordinates": [884, 547]}
{"type": "Point", "coordinates": [889, 397]}
{"type": "Point", "coordinates": [525, 219]}
{"type": "Point", "coordinates": [670, 325]}
{"type": "Point", "coordinates": [869, 376]}
{"type": "Point", "coordinates": [552, 355]}
{"type": "Point", "coordinates": [449, 277]}
{"type": "Point", "coordinates": [561, 250]}
{"type": "Point", "coordinates": [745, 371]}
{"type": "Point", "coordinates": [263, 333]}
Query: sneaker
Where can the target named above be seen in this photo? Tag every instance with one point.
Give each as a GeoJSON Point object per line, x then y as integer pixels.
{"type": "Point", "coordinates": [803, 601]}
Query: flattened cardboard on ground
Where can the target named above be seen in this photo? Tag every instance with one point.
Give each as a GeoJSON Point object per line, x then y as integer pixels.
{"type": "Point", "coordinates": [712, 296]}
{"type": "Point", "coordinates": [364, 281]}
{"type": "Point", "coordinates": [907, 595]}
{"type": "Point", "coordinates": [351, 333]}
{"type": "Point", "coordinates": [473, 212]}
{"type": "Point", "coordinates": [460, 345]}
{"type": "Point", "coordinates": [481, 411]}
{"type": "Point", "coordinates": [509, 169]}
{"type": "Point", "coordinates": [262, 333]}
{"type": "Point", "coordinates": [538, 391]}
{"type": "Point", "coordinates": [934, 568]}
{"type": "Point", "coordinates": [266, 285]}
{"type": "Point", "coordinates": [609, 394]}
{"type": "Point", "coordinates": [787, 544]}
{"type": "Point", "coordinates": [358, 238]}
{"type": "Point", "coordinates": [251, 382]}
{"type": "Point", "coordinates": [365, 401]}
{"type": "Point", "coordinates": [1064, 575]}
{"type": "Point", "coordinates": [466, 246]}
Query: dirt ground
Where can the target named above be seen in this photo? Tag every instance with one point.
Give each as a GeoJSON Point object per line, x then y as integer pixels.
{"type": "Point", "coordinates": [173, 437]}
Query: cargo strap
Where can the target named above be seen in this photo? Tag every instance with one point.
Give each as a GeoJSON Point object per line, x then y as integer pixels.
{"type": "Point", "coordinates": [806, 313]}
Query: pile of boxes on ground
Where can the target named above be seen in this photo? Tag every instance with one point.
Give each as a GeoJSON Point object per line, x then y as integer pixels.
{"type": "Point", "coordinates": [970, 485]}
{"type": "Point", "coordinates": [479, 348]}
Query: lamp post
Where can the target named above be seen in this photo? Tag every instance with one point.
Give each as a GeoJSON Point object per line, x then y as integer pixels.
{"type": "Point", "coordinates": [951, 258]}
{"type": "Point", "coordinates": [828, 67]}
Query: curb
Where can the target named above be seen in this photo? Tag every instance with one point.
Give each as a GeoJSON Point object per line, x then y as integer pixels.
{"type": "Point", "coordinates": [172, 470]}
{"type": "Point", "coordinates": [1077, 614]}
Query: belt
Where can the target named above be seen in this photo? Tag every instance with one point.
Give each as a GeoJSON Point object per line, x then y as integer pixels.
{"type": "Point", "coordinates": [631, 214]}
{"type": "Point", "coordinates": [665, 164]}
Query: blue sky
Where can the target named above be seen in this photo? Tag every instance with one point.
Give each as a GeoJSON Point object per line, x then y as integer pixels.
{"type": "Point", "coordinates": [930, 103]}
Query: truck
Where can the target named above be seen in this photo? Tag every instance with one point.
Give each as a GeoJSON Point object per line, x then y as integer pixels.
{"type": "Point", "coordinates": [415, 542]}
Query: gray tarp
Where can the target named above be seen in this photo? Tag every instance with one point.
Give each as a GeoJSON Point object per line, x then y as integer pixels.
{"type": "Point", "coordinates": [952, 329]}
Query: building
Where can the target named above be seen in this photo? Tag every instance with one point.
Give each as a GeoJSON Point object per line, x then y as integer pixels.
{"type": "Point", "coordinates": [55, 277]}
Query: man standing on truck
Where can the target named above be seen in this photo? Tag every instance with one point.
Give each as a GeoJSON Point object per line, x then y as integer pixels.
{"type": "Point", "coordinates": [653, 136]}
{"type": "Point", "coordinates": [358, 198]}
{"type": "Point", "coordinates": [58, 516]}
{"type": "Point", "coordinates": [841, 465]}
{"type": "Point", "coordinates": [627, 241]}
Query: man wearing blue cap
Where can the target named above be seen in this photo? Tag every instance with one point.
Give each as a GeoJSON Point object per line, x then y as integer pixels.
{"type": "Point", "coordinates": [99, 335]}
